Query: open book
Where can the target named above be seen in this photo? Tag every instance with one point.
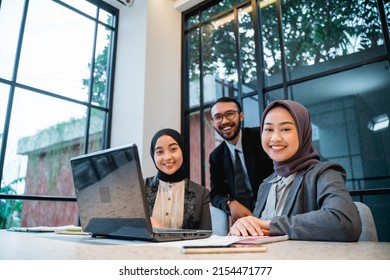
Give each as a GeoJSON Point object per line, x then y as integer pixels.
{"type": "Point", "coordinates": [68, 229]}
{"type": "Point", "coordinates": [251, 244]}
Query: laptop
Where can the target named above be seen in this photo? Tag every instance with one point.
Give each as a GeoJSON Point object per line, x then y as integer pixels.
{"type": "Point", "coordinates": [111, 197]}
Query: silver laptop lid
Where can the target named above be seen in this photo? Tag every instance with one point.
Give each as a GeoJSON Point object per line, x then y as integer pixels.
{"type": "Point", "coordinates": [110, 193]}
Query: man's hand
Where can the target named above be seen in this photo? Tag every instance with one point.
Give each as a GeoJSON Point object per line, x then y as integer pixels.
{"type": "Point", "coordinates": [237, 210]}
{"type": "Point", "coordinates": [249, 226]}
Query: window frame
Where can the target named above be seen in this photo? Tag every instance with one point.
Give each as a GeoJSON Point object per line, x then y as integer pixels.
{"type": "Point", "coordinates": [101, 6]}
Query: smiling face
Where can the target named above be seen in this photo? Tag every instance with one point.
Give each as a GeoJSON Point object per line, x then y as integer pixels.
{"type": "Point", "coordinates": [167, 155]}
{"type": "Point", "coordinates": [280, 135]}
{"type": "Point", "coordinates": [229, 129]}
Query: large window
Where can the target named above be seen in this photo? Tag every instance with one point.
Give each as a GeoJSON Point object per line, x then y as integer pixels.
{"type": "Point", "coordinates": [332, 56]}
{"type": "Point", "coordinates": [55, 103]}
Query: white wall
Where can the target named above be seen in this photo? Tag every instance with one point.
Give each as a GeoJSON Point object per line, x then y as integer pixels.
{"type": "Point", "coordinates": [147, 76]}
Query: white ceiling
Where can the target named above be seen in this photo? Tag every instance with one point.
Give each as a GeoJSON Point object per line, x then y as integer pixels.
{"type": "Point", "coordinates": [180, 5]}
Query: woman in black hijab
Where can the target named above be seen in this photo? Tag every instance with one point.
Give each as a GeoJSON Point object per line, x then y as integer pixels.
{"type": "Point", "coordinates": [304, 198]}
{"type": "Point", "coordinates": [174, 200]}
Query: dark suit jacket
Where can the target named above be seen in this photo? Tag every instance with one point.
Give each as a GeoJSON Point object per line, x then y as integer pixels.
{"type": "Point", "coordinates": [257, 162]}
{"type": "Point", "coordinates": [196, 203]}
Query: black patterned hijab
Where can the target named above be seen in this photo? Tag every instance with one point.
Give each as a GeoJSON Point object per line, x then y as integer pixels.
{"type": "Point", "coordinates": [179, 175]}
{"type": "Point", "coordinates": [306, 154]}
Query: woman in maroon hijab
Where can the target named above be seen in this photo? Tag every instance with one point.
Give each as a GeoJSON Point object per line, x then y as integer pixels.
{"type": "Point", "coordinates": [304, 198]}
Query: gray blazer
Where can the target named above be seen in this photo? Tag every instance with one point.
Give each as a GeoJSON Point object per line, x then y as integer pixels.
{"type": "Point", "coordinates": [318, 206]}
{"type": "Point", "coordinates": [196, 203]}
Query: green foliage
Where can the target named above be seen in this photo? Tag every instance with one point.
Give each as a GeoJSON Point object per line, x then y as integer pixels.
{"type": "Point", "coordinates": [8, 206]}
{"type": "Point", "coordinates": [100, 72]}
{"type": "Point", "coordinates": [99, 95]}
{"type": "Point", "coordinates": [323, 30]}
{"type": "Point", "coordinates": [314, 31]}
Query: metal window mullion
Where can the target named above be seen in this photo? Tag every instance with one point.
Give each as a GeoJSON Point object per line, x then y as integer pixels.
{"type": "Point", "coordinates": [11, 96]}
{"type": "Point", "coordinates": [106, 141]}
{"type": "Point", "coordinates": [282, 47]}
{"type": "Point", "coordinates": [38, 197]}
{"type": "Point", "coordinates": [385, 27]}
{"type": "Point", "coordinates": [185, 93]}
{"type": "Point", "coordinates": [201, 103]}
{"type": "Point", "coordinates": [258, 56]}
{"type": "Point", "coordinates": [238, 56]}
{"type": "Point", "coordinates": [90, 86]}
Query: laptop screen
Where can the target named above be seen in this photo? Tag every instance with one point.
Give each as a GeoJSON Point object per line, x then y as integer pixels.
{"type": "Point", "coordinates": [110, 193]}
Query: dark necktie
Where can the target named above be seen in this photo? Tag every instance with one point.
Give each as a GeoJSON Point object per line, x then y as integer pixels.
{"type": "Point", "coordinates": [239, 179]}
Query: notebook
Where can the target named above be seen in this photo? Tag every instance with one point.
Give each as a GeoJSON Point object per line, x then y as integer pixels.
{"type": "Point", "coordinates": [111, 197]}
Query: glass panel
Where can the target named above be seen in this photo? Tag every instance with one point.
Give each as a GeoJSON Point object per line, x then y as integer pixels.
{"type": "Point", "coordinates": [219, 60]}
{"type": "Point", "coordinates": [276, 94]}
{"type": "Point", "coordinates": [271, 44]}
{"type": "Point", "coordinates": [247, 50]}
{"type": "Point", "coordinates": [387, 13]}
{"type": "Point", "coordinates": [216, 9]}
{"type": "Point", "coordinates": [105, 17]}
{"type": "Point", "coordinates": [10, 17]}
{"type": "Point", "coordinates": [351, 110]}
{"type": "Point", "coordinates": [10, 210]}
{"type": "Point", "coordinates": [96, 130]}
{"type": "Point", "coordinates": [192, 20]}
{"type": "Point", "coordinates": [100, 74]}
{"type": "Point", "coordinates": [195, 148]}
{"type": "Point", "coordinates": [70, 35]}
{"type": "Point", "coordinates": [251, 111]}
{"type": "Point", "coordinates": [83, 6]}
{"type": "Point", "coordinates": [48, 213]}
{"type": "Point", "coordinates": [318, 33]}
{"type": "Point", "coordinates": [44, 134]}
{"type": "Point", "coordinates": [193, 68]}
{"type": "Point", "coordinates": [241, 1]}
{"type": "Point", "coordinates": [212, 140]}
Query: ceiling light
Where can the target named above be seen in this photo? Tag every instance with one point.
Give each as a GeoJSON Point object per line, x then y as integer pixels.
{"type": "Point", "coordinates": [378, 123]}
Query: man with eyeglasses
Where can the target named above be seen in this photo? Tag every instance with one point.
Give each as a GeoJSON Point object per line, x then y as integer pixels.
{"type": "Point", "coordinates": [236, 198]}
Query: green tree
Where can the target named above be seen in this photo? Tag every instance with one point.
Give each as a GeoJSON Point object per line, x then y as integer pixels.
{"type": "Point", "coordinates": [99, 95]}
{"type": "Point", "coordinates": [9, 206]}
{"type": "Point", "coordinates": [314, 31]}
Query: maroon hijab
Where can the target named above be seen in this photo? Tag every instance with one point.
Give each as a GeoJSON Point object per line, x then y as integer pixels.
{"type": "Point", "coordinates": [306, 154]}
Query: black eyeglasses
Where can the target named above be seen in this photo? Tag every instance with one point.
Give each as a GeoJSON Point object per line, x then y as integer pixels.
{"type": "Point", "coordinates": [228, 115]}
